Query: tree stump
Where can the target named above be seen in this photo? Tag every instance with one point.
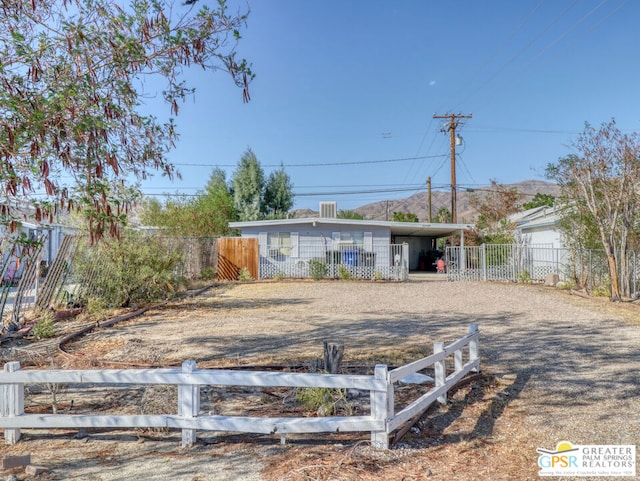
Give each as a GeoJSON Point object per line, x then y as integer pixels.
{"type": "Point", "coordinates": [332, 356]}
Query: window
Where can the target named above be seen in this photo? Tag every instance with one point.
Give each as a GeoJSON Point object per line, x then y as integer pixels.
{"type": "Point", "coordinates": [279, 244]}
{"type": "Point", "coordinates": [353, 238]}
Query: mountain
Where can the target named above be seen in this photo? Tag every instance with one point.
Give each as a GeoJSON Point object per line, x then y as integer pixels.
{"type": "Point", "coordinates": [418, 203]}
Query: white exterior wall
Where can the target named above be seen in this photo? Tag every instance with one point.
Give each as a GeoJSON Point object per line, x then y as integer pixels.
{"type": "Point", "coordinates": [321, 236]}
{"type": "Point", "coordinates": [544, 235]}
{"type": "Point", "coordinates": [322, 242]}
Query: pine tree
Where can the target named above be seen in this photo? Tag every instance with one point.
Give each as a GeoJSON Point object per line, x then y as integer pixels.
{"type": "Point", "coordinates": [248, 187]}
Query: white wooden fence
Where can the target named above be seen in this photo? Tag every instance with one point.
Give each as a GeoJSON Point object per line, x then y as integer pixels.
{"type": "Point", "coordinates": [381, 421]}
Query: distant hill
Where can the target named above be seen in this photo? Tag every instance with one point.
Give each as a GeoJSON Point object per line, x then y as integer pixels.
{"type": "Point", "coordinates": [417, 203]}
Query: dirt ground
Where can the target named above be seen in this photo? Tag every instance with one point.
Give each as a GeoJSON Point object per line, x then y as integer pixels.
{"type": "Point", "coordinates": [555, 367]}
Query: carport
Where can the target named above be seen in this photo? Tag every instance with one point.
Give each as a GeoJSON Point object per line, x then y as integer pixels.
{"type": "Point", "coordinates": [422, 240]}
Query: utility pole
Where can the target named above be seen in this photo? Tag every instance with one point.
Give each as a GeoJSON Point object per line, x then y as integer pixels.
{"type": "Point", "coordinates": [451, 127]}
{"type": "Point", "coordinates": [429, 197]}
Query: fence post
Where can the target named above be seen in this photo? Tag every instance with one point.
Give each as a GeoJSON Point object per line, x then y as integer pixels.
{"type": "Point", "coordinates": [440, 370]}
{"type": "Point", "coordinates": [405, 261]}
{"type": "Point", "coordinates": [484, 262]}
{"type": "Point", "coordinates": [188, 403]}
{"type": "Point", "coordinates": [380, 404]}
{"type": "Point", "coordinates": [11, 402]}
{"type": "Point", "coordinates": [474, 348]}
{"type": "Point", "coordinates": [457, 360]}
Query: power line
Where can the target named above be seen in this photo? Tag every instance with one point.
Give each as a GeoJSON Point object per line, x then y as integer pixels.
{"type": "Point", "coordinates": [518, 53]}
{"type": "Point", "coordinates": [499, 48]}
{"type": "Point", "coordinates": [515, 129]}
{"type": "Point", "coordinates": [322, 164]}
{"type": "Point", "coordinates": [414, 188]}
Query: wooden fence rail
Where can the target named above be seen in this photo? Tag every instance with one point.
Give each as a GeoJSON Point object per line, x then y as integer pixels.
{"type": "Point", "coordinates": [380, 422]}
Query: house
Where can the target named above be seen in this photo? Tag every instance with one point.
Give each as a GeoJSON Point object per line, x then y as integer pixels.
{"type": "Point", "coordinates": [538, 227]}
{"type": "Point", "coordinates": [365, 248]}
{"type": "Point", "coordinates": [542, 250]}
{"type": "Point", "coordinates": [50, 234]}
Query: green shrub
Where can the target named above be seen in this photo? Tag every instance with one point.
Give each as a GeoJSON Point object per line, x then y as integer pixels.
{"type": "Point", "coordinates": [244, 275]}
{"type": "Point", "coordinates": [377, 276]}
{"type": "Point", "coordinates": [44, 328]}
{"type": "Point", "coordinates": [566, 285]}
{"type": "Point", "coordinates": [95, 305]}
{"type": "Point", "coordinates": [118, 273]}
{"type": "Point", "coordinates": [317, 269]}
{"type": "Point", "coordinates": [344, 273]}
{"type": "Point", "coordinates": [524, 277]}
{"type": "Point", "coordinates": [279, 276]}
{"type": "Point", "coordinates": [323, 401]}
{"type": "Point", "coordinates": [208, 274]}
{"type": "Point", "coordinates": [602, 290]}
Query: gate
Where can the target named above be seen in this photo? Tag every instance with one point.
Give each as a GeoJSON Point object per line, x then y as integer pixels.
{"type": "Point", "coordinates": [235, 253]}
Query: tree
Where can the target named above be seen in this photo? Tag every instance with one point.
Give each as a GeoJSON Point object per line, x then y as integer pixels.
{"type": "Point", "coordinates": [349, 214]}
{"type": "Point", "coordinates": [495, 206]}
{"type": "Point", "coordinates": [580, 235]}
{"type": "Point", "coordinates": [539, 200]}
{"type": "Point", "coordinates": [443, 216]}
{"type": "Point", "coordinates": [278, 194]}
{"type": "Point", "coordinates": [206, 214]}
{"type": "Point", "coordinates": [404, 217]}
{"type": "Point", "coordinates": [248, 187]}
{"type": "Point", "coordinates": [602, 178]}
{"type": "Point", "coordinates": [213, 209]}
{"type": "Point", "coordinates": [71, 97]}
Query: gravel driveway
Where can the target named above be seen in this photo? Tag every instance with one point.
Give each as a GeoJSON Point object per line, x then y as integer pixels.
{"type": "Point", "coordinates": [569, 366]}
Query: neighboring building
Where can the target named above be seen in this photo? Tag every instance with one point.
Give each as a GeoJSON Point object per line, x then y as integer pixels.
{"type": "Point", "coordinates": [367, 248]}
{"type": "Point", "coordinates": [54, 235]}
{"type": "Point", "coordinates": [538, 227]}
{"type": "Point", "coordinates": [11, 257]}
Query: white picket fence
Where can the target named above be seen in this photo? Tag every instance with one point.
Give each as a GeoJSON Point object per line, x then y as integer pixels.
{"type": "Point", "coordinates": [381, 421]}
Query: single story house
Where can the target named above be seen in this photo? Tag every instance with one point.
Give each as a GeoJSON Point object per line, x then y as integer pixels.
{"type": "Point", "coordinates": [538, 227]}
{"type": "Point", "coordinates": [366, 248]}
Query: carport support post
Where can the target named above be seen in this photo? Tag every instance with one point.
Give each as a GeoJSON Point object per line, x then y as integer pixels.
{"type": "Point", "coordinates": [381, 408]}
{"type": "Point", "coordinates": [188, 403]}
{"type": "Point", "coordinates": [11, 402]}
{"type": "Point", "coordinates": [440, 371]}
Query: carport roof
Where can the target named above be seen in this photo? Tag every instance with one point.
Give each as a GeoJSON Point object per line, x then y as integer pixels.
{"type": "Point", "coordinates": [415, 229]}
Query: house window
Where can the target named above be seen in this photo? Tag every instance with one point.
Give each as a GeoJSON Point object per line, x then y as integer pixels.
{"type": "Point", "coordinates": [352, 238]}
{"type": "Point", "coordinates": [279, 244]}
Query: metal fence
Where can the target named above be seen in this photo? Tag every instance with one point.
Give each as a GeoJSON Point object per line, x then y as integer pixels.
{"type": "Point", "coordinates": [518, 263]}
{"type": "Point", "coordinates": [497, 262]}
{"type": "Point", "coordinates": [388, 261]}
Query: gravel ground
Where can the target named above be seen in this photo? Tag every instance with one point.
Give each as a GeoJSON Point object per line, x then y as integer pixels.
{"type": "Point", "coordinates": [567, 368]}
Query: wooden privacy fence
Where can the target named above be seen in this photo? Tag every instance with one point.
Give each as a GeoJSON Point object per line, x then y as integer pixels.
{"type": "Point", "coordinates": [235, 253]}
{"type": "Point", "coordinates": [381, 421]}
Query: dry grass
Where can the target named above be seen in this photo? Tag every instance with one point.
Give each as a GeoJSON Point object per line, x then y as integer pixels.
{"type": "Point", "coordinates": [556, 367]}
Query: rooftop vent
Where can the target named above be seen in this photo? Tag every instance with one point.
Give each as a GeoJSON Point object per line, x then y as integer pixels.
{"type": "Point", "coordinates": [328, 210]}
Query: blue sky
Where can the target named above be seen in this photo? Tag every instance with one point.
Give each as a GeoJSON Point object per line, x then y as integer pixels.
{"type": "Point", "coordinates": [345, 93]}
